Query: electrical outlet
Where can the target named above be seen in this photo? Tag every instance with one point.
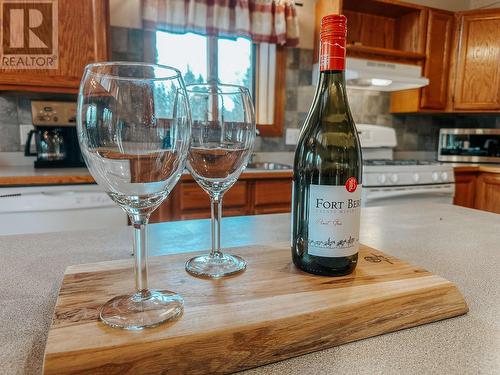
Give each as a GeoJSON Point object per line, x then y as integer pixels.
{"type": "Point", "coordinates": [292, 136]}
{"type": "Point", "coordinates": [23, 133]}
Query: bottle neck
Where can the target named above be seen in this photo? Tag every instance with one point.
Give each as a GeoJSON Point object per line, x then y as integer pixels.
{"type": "Point", "coordinates": [332, 89]}
{"type": "Point", "coordinates": [332, 76]}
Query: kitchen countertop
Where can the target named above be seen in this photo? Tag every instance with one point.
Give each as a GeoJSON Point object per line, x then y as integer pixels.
{"type": "Point", "coordinates": [487, 168]}
{"type": "Point", "coordinates": [459, 244]}
{"type": "Point", "coordinates": [29, 176]}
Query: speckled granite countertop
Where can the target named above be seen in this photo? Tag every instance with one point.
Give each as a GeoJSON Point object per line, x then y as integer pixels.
{"type": "Point", "coordinates": [459, 244]}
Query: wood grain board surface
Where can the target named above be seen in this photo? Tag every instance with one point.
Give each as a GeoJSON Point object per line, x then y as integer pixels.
{"type": "Point", "coordinates": [269, 313]}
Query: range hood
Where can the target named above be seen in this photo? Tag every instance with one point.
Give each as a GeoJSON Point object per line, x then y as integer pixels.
{"type": "Point", "coordinates": [383, 76]}
{"type": "Point", "coordinates": [379, 75]}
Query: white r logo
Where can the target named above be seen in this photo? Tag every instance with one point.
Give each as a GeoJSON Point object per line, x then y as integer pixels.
{"type": "Point", "coordinates": [35, 20]}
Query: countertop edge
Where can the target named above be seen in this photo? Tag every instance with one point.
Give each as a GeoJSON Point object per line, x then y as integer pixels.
{"type": "Point", "coordinates": [62, 179]}
{"type": "Point", "coordinates": [45, 180]}
{"type": "Point", "coordinates": [477, 168]}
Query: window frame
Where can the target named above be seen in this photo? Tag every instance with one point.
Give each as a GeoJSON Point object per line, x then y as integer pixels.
{"type": "Point", "coordinates": [274, 129]}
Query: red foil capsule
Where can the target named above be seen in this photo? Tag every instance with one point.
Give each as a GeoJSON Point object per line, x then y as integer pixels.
{"type": "Point", "coordinates": [333, 41]}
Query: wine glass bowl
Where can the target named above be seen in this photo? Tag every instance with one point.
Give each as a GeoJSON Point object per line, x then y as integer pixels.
{"type": "Point", "coordinates": [222, 139]}
{"type": "Point", "coordinates": [134, 130]}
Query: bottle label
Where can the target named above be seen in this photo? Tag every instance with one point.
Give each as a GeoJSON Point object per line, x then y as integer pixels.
{"type": "Point", "coordinates": [332, 54]}
{"type": "Point", "coordinates": [334, 215]}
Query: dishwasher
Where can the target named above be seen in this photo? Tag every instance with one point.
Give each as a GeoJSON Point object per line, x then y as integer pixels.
{"type": "Point", "coordinates": [42, 209]}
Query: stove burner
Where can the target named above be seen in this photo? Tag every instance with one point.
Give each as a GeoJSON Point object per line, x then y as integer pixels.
{"type": "Point", "coordinates": [380, 162]}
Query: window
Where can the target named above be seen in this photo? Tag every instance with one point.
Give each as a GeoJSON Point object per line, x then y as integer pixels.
{"type": "Point", "coordinates": [260, 67]}
{"type": "Point", "coordinates": [201, 58]}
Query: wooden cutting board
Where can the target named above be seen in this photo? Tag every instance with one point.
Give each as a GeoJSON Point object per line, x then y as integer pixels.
{"type": "Point", "coordinates": [269, 313]}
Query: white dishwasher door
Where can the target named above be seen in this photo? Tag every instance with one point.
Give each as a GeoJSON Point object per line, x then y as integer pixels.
{"type": "Point", "coordinates": [57, 208]}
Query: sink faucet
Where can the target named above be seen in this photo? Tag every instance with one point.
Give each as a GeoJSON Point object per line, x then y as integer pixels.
{"type": "Point", "coordinates": [252, 157]}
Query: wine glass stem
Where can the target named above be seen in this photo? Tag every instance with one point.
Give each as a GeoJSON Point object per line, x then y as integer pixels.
{"type": "Point", "coordinates": [140, 252]}
{"type": "Point", "coordinates": [216, 211]}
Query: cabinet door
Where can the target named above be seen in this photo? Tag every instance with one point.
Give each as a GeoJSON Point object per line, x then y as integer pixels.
{"type": "Point", "coordinates": [477, 83]}
{"type": "Point", "coordinates": [194, 203]}
{"type": "Point", "coordinates": [273, 196]}
{"type": "Point", "coordinates": [465, 187]}
{"type": "Point", "coordinates": [82, 29]}
{"type": "Point", "coordinates": [439, 36]}
{"type": "Point", "coordinates": [488, 192]}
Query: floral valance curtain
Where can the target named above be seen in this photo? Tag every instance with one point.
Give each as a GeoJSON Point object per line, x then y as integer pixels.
{"type": "Point", "coordinates": [263, 21]}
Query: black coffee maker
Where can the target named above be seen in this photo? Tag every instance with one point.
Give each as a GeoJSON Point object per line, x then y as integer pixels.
{"type": "Point", "coordinates": [55, 135]}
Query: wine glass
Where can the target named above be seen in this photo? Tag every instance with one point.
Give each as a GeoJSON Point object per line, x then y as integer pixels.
{"type": "Point", "coordinates": [222, 138]}
{"type": "Point", "coordinates": [134, 130]}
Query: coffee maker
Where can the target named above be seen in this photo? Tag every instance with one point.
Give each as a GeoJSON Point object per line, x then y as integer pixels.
{"type": "Point", "coordinates": [55, 135]}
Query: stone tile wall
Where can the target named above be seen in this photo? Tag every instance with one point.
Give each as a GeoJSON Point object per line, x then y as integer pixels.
{"type": "Point", "coordinates": [15, 110]}
{"type": "Point", "coordinates": [9, 124]}
{"type": "Point", "coordinates": [415, 133]}
{"type": "Point", "coordinates": [126, 44]}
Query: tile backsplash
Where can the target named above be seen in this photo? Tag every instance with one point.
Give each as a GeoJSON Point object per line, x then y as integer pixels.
{"type": "Point", "coordinates": [126, 44]}
{"type": "Point", "coordinates": [15, 110]}
{"type": "Point", "coordinates": [417, 134]}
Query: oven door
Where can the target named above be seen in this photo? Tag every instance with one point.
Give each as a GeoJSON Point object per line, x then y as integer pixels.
{"type": "Point", "coordinates": [386, 196]}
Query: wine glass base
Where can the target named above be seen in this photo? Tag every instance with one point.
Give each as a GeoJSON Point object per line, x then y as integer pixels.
{"type": "Point", "coordinates": [147, 308]}
{"type": "Point", "coordinates": [214, 267]}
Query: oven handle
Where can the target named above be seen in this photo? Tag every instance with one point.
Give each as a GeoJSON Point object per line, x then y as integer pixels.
{"type": "Point", "coordinates": [372, 194]}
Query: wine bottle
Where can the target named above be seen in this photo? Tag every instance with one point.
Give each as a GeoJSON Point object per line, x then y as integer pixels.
{"type": "Point", "coordinates": [327, 176]}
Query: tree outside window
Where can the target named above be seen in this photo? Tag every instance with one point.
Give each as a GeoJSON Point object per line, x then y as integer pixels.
{"type": "Point", "coordinates": [201, 59]}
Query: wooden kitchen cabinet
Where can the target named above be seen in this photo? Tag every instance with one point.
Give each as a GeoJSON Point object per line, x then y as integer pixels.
{"type": "Point", "coordinates": [192, 202]}
{"type": "Point", "coordinates": [378, 29]}
{"type": "Point", "coordinates": [465, 189]}
{"type": "Point", "coordinates": [477, 81]}
{"type": "Point", "coordinates": [272, 196]}
{"type": "Point", "coordinates": [478, 187]}
{"type": "Point", "coordinates": [439, 38]}
{"type": "Point", "coordinates": [488, 192]}
{"type": "Point", "coordinates": [438, 47]}
{"type": "Point", "coordinates": [254, 194]}
{"type": "Point", "coordinates": [462, 64]}
{"type": "Point", "coordinates": [82, 39]}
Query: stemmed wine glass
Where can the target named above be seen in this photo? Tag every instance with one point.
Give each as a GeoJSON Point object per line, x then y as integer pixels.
{"type": "Point", "coordinates": [222, 138]}
{"type": "Point", "coordinates": [134, 131]}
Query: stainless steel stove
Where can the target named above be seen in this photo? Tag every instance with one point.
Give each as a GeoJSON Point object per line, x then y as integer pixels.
{"type": "Point", "coordinates": [387, 181]}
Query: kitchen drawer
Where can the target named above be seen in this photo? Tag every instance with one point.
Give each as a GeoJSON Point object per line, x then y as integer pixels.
{"type": "Point", "coordinates": [192, 197]}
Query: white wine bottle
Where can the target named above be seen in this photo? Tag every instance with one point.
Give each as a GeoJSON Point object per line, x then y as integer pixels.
{"type": "Point", "coordinates": [327, 176]}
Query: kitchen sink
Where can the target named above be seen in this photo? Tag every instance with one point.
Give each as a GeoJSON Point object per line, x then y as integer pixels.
{"type": "Point", "coordinates": [269, 166]}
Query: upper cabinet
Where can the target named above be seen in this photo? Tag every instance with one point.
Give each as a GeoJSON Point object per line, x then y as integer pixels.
{"type": "Point", "coordinates": [438, 46]}
{"type": "Point", "coordinates": [462, 64]}
{"type": "Point", "coordinates": [477, 82]}
{"type": "Point", "coordinates": [77, 36]}
{"type": "Point", "coordinates": [379, 29]}
{"type": "Point", "coordinates": [437, 62]}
